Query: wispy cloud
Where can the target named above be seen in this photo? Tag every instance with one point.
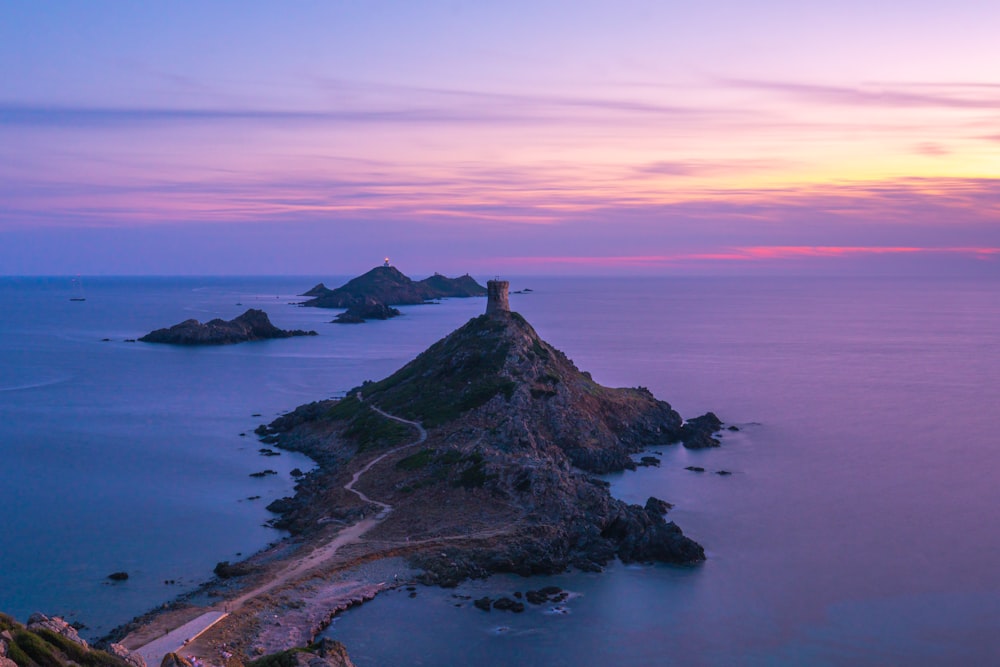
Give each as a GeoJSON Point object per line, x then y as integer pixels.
{"type": "Point", "coordinates": [931, 149]}
{"type": "Point", "coordinates": [67, 116]}
{"type": "Point", "coordinates": [898, 95]}
{"type": "Point", "coordinates": [743, 254]}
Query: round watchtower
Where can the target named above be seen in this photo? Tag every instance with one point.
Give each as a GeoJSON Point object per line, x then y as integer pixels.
{"type": "Point", "coordinates": [497, 300]}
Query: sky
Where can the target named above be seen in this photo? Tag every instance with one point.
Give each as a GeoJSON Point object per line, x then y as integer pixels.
{"type": "Point", "coordinates": [577, 137]}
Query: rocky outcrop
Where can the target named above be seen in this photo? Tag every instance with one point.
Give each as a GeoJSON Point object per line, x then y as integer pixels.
{"type": "Point", "coordinates": [251, 325]}
{"type": "Point", "coordinates": [38, 622]}
{"type": "Point", "coordinates": [515, 433]}
{"type": "Point", "coordinates": [697, 433]}
{"type": "Point", "coordinates": [52, 642]}
{"type": "Point", "coordinates": [130, 658]}
{"type": "Point", "coordinates": [367, 308]}
{"type": "Point", "coordinates": [175, 660]}
{"type": "Point", "coordinates": [319, 290]}
{"type": "Point", "coordinates": [388, 285]}
{"type": "Point", "coordinates": [441, 287]}
{"type": "Point", "coordinates": [325, 653]}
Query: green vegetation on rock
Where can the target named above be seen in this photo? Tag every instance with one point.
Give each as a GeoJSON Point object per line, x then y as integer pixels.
{"type": "Point", "coordinates": [457, 374]}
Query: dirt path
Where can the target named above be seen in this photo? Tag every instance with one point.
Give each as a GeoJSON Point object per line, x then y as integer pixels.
{"type": "Point", "coordinates": [175, 640]}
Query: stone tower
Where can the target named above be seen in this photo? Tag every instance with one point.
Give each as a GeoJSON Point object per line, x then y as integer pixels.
{"type": "Point", "coordinates": [497, 300]}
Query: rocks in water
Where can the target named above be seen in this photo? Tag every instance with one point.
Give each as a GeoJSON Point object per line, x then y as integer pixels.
{"type": "Point", "coordinates": [697, 433]}
{"type": "Point", "coordinates": [251, 325]}
{"type": "Point", "coordinates": [546, 594]}
{"type": "Point", "coordinates": [264, 473]}
{"type": "Point", "coordinates": [641, 534]}
{"type": "Point", "coordinates": [267, 451]}
{"type": "Point", "coordinates": [733, 428]}
{"type": "Point", "coordinates": [296, 472]}
{"type": "Point", "coordinates": [649, 461]}
{"type": "Point", "coordinates": [724, 473]}
{"type": "Point", "coordinates": [366, 308]}
{"type": "Point", "coordinates": [658, 506]}
{"type": "Point", "coordinates": [282, 505]}
{"type": "Point", "coordinates": [695, 469]}
{"type": "Point", "coordinates": [118, 576]}
{"type": "Point", "coordinates": [500, 604]}
{"type": "Point", "coordinates": [506, 604]}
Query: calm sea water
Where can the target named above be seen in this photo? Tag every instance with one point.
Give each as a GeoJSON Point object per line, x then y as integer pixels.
{"type": "Point", "coordinates": [858, 528]}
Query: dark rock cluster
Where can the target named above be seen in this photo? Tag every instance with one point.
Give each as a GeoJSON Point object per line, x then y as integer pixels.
{"type": "Point", "coordinates": [366, 308]}
{"type": "Point", "coordinates": [251, 325]}
{"type": "Point", "coordinates": [389, 286]}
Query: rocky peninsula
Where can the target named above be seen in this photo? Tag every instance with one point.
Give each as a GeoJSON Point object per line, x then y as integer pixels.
{"type": "Point", "coordinates": [479, 456]}
{"type": "Point", "coordinates": [252, 325]}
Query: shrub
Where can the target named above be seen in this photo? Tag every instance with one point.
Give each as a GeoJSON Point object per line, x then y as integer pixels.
{"type": "Point", "coordinates": [416, 461]}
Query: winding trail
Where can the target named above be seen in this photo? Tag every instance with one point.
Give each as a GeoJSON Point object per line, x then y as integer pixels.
{"type": "Point", "coordinates": [176, 639]}
{"type": "Point", "coordinates": [386, 508]}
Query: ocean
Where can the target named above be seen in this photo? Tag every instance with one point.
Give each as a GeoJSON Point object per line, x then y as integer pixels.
{"type": "Point", "coordinates": [857, 526]}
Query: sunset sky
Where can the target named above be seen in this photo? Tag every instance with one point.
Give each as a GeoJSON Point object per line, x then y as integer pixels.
{"type": "Point", "coordinates": [516, 137]}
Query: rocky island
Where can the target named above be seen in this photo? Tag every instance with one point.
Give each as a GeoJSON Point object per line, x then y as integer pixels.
{"type": "Point", "coordinates": [251, 325]}
{"type": "Point", "coordinates": [388, 285]}
{"type": "Point", "coordinates": [366, 308]}
{"type": "Point", "coordinates": [479, 456]}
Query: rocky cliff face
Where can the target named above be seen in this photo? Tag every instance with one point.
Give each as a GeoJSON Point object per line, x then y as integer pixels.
{"type": "Point", "coordinates": [251, 325]}
{"type": "Point", "coordinates": [514, 432]}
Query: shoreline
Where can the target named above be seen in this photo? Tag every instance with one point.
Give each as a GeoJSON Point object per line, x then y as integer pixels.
{"type": "Point", "coordinates": [287, 593]}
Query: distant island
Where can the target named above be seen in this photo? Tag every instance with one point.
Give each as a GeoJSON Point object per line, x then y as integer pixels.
{"type": "Point", "coordinates": [251, 325]}
{"type": "Point", "coordinates": [370, 296]}
{"type": "Point", "coordinates": [366, 308]}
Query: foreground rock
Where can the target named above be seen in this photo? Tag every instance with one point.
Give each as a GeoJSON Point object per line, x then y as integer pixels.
{"type": "Point", "coordinates": [388, 285]}
{"type": "Point", "coordinates": [251, 325]}
{"type": "Point", "coordinates": [515, 433]}
{"type": "Point", "coordinates": [52, 642]}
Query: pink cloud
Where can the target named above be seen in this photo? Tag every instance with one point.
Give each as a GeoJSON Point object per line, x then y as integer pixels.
{"type": "Point", "coordinates": [744, 254]}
